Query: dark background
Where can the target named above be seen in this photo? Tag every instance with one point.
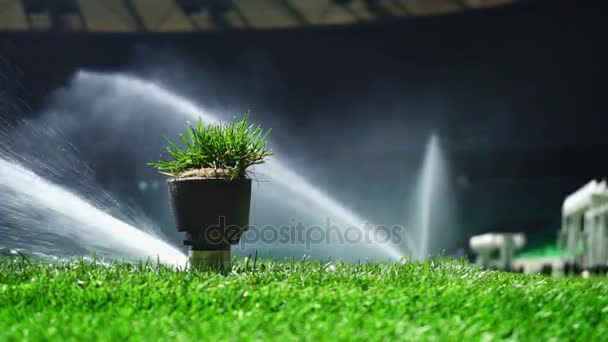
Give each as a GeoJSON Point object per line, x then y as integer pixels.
{"type": "Point", "coordinates": [516, 94]}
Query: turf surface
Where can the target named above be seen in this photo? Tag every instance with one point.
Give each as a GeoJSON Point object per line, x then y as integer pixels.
{"type": "Point", "coordinates": [446, 300]}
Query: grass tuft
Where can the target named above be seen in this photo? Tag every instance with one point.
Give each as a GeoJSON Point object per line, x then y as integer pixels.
{"type": "Point", "coordinates": [233, 147]}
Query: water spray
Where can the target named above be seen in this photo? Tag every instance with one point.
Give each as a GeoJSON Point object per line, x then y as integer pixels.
{"type": "Point", "coordinates": [46, 220]}
{"type": "Point", "coordinates": [55, 209]}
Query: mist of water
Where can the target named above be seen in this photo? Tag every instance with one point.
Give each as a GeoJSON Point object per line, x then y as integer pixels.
{"type": "Point", "coordinates": [432, 211]}
{"type": "Point", "coordinates": [61, 212]}
{"type": "Point", "coordinates": [275, 170]}
{"type": "Point", "coordinates": [118, 104]}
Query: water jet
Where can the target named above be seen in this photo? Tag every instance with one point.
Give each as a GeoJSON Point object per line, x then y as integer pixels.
{"type": "Point", "coordinates": [51, 208]}
{"type": "Point", "coordinates": [432, 210]}
{"type": "Point", "coordinates": [155, 100]}
{"type": "Point", "coordinates": [114, 108]}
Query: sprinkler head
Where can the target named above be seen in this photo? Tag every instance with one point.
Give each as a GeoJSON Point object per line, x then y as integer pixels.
{"type": "Point", "coordinates": [206, 253]}
{"type": "Point", "coordinates": [218, 260]}
{"type": "Point", "coordinates": [213, 213]}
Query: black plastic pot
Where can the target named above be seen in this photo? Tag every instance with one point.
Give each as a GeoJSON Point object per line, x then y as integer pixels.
{"type": "Point", "coordinates": [212, 212]}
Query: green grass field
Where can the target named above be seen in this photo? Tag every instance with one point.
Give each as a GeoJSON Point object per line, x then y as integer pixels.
{"type": "Point", "coordinates": [446, 300]}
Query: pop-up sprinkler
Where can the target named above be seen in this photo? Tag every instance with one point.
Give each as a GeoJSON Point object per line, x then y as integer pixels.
{"type": "Point", "coordinates": [210, 191]}
{"type": "Point", "coordinates": [213, 212]}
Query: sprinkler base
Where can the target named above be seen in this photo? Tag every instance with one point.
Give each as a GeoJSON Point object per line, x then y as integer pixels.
{"type": "Point", "coordinates": [221, 260]}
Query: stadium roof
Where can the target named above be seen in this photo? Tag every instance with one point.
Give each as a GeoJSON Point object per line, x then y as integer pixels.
{"type": "Point", "coordinates": [209, 15]}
